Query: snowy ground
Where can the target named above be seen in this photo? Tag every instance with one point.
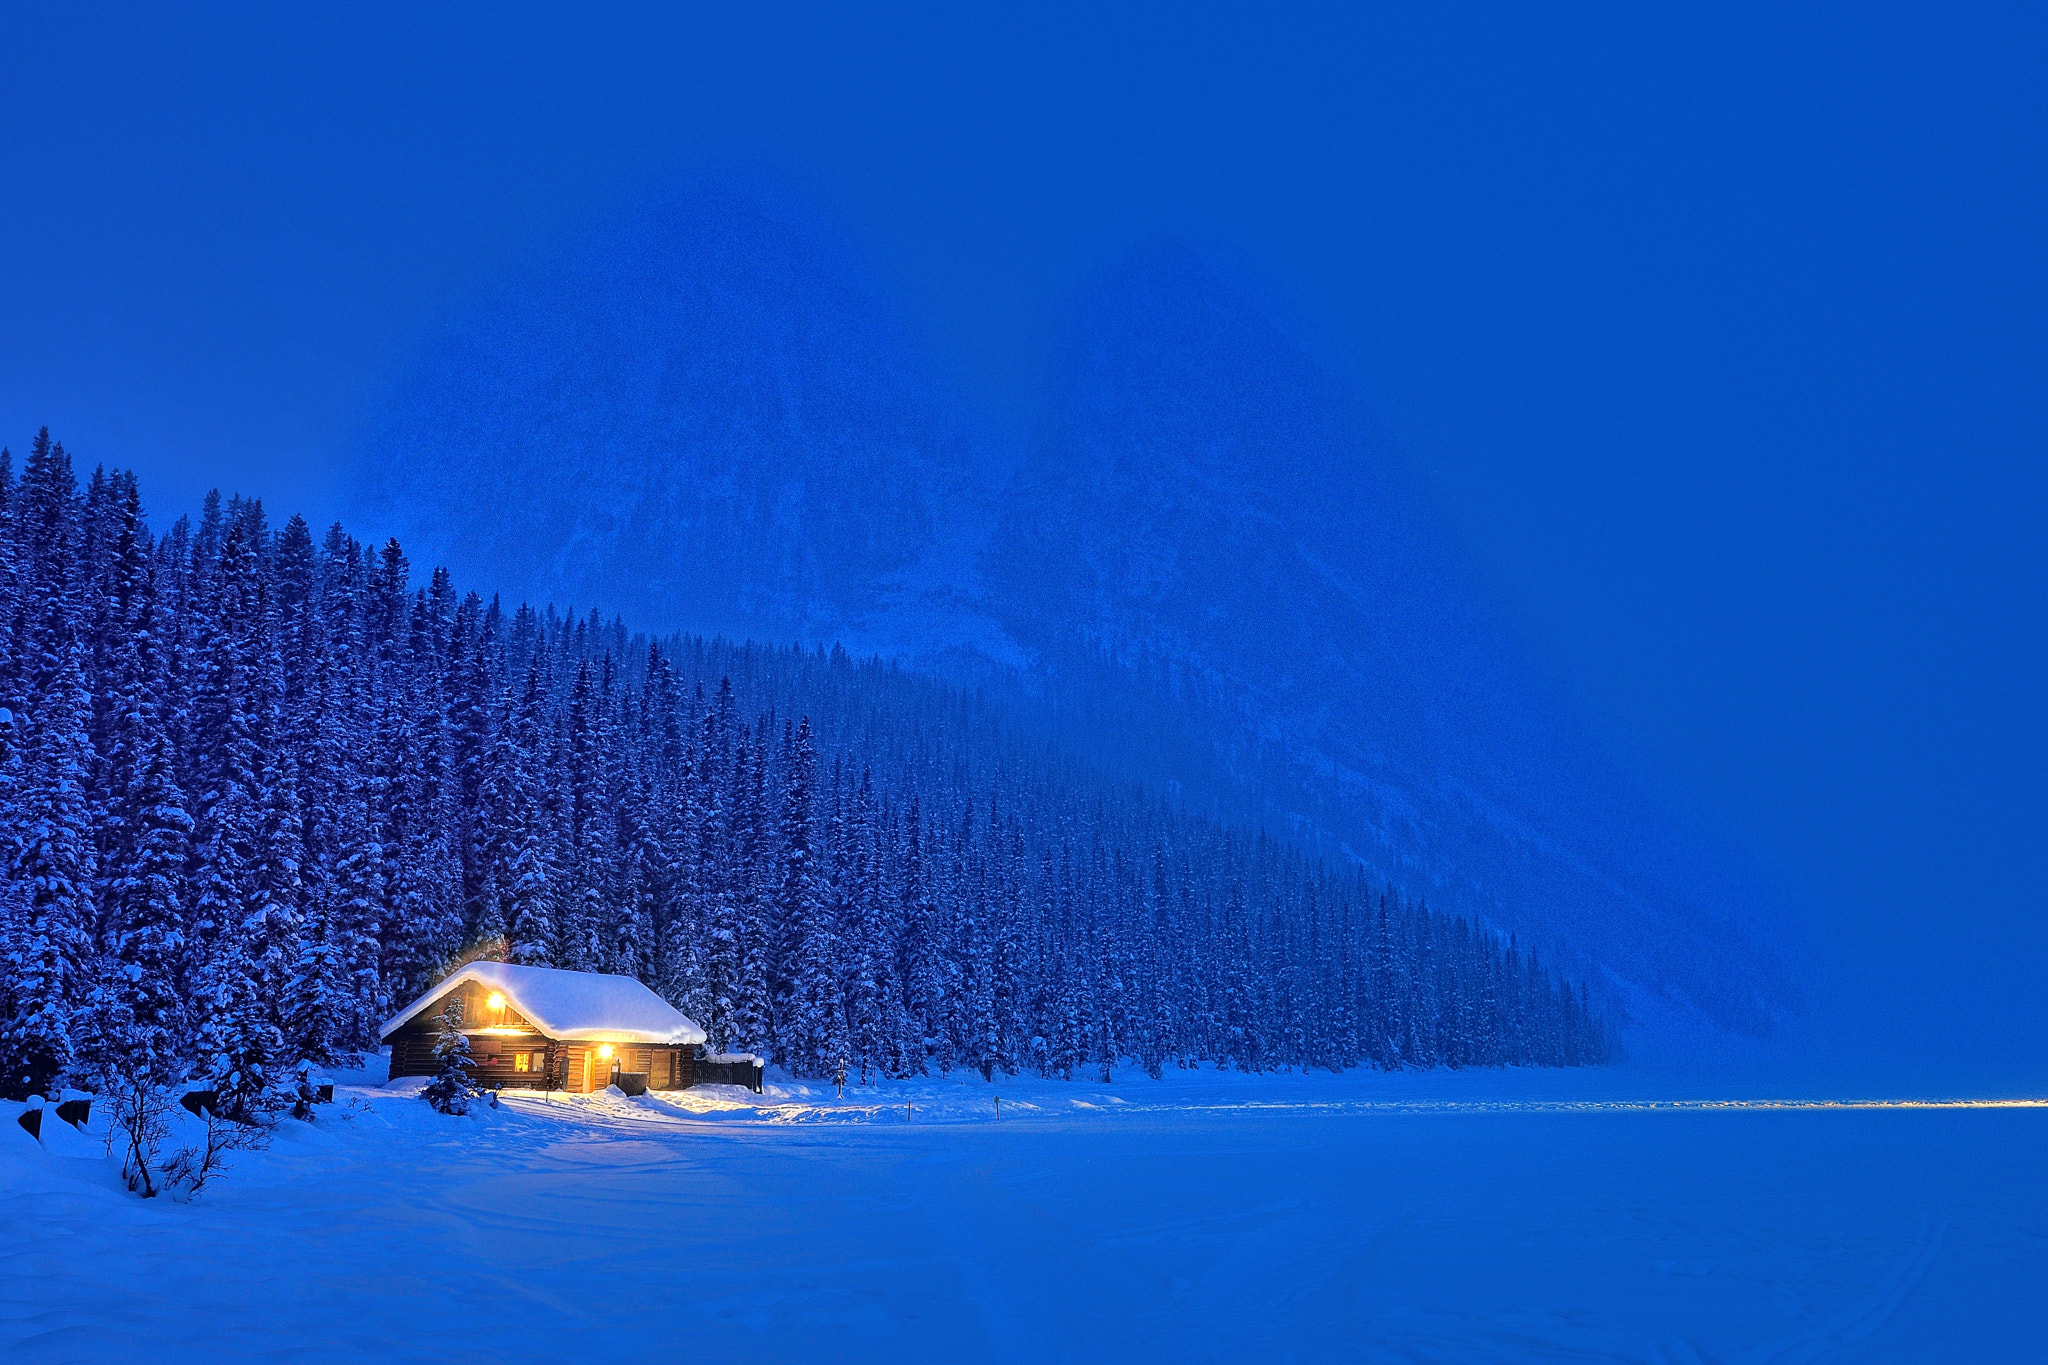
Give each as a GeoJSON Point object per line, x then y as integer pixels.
{"type": "Point", "coordinates": [1525, 1216]}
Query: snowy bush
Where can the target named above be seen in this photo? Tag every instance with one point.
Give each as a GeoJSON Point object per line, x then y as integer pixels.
{"type": "Point", "coordinates": [304, 1094]}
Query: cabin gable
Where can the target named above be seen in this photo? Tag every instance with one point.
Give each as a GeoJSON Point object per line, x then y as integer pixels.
{"type": "Point", "coordinates": [473, 1003]}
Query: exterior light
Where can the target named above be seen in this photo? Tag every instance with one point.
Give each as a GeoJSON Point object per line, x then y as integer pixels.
{"type": "Point", "coordinates": [497, 1001]}
{"type": "Point", "coordinates": [604, 1050]}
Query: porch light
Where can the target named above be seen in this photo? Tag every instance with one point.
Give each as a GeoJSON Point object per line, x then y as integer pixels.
{"type": "Point", "coordinates": [604, 1050]}
{"type": "Point", "coordinates": [497, 1001]}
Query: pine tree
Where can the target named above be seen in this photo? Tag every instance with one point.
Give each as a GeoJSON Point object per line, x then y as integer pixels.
{"type": "Point", "coordinates": [354, 910]}
{"type": "Point", "coordinates": [592, 838]}
{"type": "Point", "coordinates": [529, 896]}
{"type": "Point", "coordinates": [453, 1085]}
{"type": "Point", "coordinates": [50, 936]}
{"type": "Point", "coordinates": [239, 1047]}
{"type": "Point", "coordinates": [873, 1025]}
{"type": "Point", "coordinates": [810, 1031]}
{"type": "Point", "coordinates": [144, 1015]}
{"type": "Point", "coordinates": [748, 906]}
{"type": "Point", "coordinates": [315, 995]}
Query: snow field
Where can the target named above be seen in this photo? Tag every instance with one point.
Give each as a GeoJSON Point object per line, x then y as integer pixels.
{"type": "Point", "coordinates": [1422, 1217]}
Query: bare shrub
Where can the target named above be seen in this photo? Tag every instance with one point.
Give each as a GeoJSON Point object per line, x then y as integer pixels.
{"type": "Point", "coordinates": [187, 1170]}
{"type": "Point", "coordinates": [138, 1115]}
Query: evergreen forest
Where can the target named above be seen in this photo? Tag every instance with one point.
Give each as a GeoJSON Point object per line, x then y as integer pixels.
{"type": "Point", "coordinates": [259, 788]}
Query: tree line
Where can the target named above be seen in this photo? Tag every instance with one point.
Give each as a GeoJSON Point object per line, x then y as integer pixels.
{"type": "Point", "coordinates": [259, 789]}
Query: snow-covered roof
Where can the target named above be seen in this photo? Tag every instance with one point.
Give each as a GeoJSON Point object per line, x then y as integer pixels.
{"type": "Point", "coordinates": [575, 1006]}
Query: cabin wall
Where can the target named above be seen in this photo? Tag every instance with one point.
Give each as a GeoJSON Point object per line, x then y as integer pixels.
{"type": "Point", "coordinates": [666, 1066]}
{"type": "Point", "coordinates": [527, 1063]}
{"type": "Point", "coordinates": [497, 1059]}
{"type": "Point", "coordinates": [412, 1052]}
{"type": "Point", "coordinates": [551, 1065]}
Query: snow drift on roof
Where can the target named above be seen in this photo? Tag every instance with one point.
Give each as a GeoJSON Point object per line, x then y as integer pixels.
{"type": "Point", "coordinates": [570, 1005]}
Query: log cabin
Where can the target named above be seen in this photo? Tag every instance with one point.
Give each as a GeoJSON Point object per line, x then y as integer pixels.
{"type": "Point", "coordinates": [541, 1028]}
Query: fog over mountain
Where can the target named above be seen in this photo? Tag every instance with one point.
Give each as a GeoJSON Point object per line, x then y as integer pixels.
{"type": "Point", "coordinates": [1198, 567]}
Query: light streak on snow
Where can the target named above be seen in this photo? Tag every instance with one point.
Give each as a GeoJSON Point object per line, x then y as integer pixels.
{"type": "Point", "coordinates": [937, 1105]}
{"type": "Point", "coordinates": [1599, 1106]}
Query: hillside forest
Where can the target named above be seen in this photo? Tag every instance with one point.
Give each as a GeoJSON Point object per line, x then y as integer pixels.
{"type": "Point", "coordinates": [259, 788]}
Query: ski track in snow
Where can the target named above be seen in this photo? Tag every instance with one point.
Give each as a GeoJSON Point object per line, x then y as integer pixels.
{"type": "Point", "coordinates": [1424, 1218]}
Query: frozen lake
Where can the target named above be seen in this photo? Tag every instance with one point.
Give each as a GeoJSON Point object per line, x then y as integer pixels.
{"type": "Point", "coordinates": [1427, 1218]}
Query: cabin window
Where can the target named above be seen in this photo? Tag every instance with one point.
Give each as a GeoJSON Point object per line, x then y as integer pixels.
{"type": "Point", "coordinates": [519, 1062]}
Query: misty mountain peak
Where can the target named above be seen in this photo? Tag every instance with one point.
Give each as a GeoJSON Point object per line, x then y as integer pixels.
{"type": "Point", "coordinates": [695, 387]}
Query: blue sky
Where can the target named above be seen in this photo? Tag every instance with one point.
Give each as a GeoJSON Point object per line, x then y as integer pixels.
{"type": "Point", "coordinates": [1718, 332]}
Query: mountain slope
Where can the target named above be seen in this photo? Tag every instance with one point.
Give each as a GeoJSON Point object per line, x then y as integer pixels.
{"type": "Point", "coordinates": [1204, 526]}
{"type": "Point", "coordinates": [1203, 573]}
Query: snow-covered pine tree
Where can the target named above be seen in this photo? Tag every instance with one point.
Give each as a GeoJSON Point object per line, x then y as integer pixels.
{"type": "Point", "coordinates": [136, 1040]}
{"type": "Point", "coordinates": [920, 954]}
{"type": "Point", "coordinates": [315, 1000]}
{"type": "Point", "coordinates": [529, 894]}
{"type": "Point", "coordinates": [453, 1084]}
{"type": "Point", "coordinates": [54, 872]}
{"type": "Point", "coordinates": [591, 836]}
{"type": "Point", "coordinates": [417, 879]}
{"type": "Point", "coordinates": [144, 1012]}
{"type": "Point", "coordinates": [874, 1025]}
{"type": "Point", "coordinates": [239, 1046]}
{"type": "Point", "coordinates": [276, 887]}
{"type": "Point", "coordinates": [355, 912]}
{"type": "Point", "coordinates": [811, 1029]}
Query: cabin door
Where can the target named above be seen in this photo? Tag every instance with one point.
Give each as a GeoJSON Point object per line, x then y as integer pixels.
{"type": "Point", "coordinates": [597, 1070]}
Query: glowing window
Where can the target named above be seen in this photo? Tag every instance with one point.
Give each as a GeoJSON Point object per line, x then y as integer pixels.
{"type": "Point", "coordinates": [519, 1062]}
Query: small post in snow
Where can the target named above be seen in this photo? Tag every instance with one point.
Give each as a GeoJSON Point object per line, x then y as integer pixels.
{"type": "Point", "coordinates": [999, 1109]}
{"type": "Point", "coordinates": [841, 1078]}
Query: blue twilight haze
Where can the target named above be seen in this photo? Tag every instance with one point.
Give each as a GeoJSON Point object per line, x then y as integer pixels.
{"type": "Point", "coordinates": [1024, 683]}
{"type": "Point", "coordinates": [1666, 388]}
